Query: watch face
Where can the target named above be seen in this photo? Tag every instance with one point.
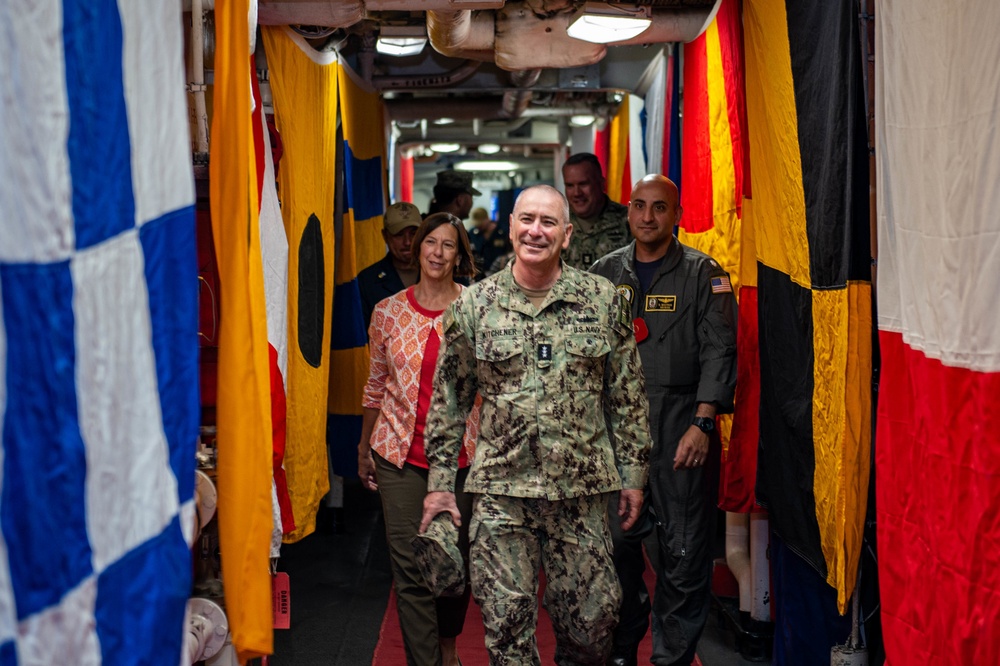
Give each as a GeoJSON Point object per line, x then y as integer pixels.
{"type": "Point", "coordinates": [705, 423]}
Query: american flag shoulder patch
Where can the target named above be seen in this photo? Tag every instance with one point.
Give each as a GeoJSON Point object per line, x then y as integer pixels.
{"type": "Point", "coordinates": [721, 285]}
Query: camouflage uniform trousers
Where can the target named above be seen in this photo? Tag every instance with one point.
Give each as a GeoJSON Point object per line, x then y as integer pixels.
{"type": "Point", "coordinates": [570, 540]}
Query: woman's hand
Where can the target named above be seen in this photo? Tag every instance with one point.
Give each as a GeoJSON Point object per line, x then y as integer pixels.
{"type": "Point", "coordinates": [366, 467]}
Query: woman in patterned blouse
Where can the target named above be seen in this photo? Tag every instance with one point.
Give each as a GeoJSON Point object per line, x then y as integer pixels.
{"type": "Point", "coordinates": [404, 338]}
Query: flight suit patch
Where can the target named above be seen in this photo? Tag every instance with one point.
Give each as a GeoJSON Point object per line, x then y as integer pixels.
{"type": "Point", "coordinates": [661, 303]}
{"type": "Point", "coordinates": [626, 292]}
{"type": "Point", "coordinates": [722, 285]}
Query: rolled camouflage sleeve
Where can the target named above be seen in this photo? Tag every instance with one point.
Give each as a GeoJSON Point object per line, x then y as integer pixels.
{"type": "Point", "coordinates": [453, 397]}
{"type": "Point", "coordinates": [626, 407]}
{"type": "Point", "coordinates": [717, 342]}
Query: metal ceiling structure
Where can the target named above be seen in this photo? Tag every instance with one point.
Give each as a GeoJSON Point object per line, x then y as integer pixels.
{"type": "Point", "coordinates": [494, 71]}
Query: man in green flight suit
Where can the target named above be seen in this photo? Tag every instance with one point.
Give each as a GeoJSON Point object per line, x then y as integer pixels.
{"type": "Point", "coordinates": [600, 225]}
{"type": "Point", "coordinates": [685, 324]}
{"type": "Point", "coordinates": [563, 424]}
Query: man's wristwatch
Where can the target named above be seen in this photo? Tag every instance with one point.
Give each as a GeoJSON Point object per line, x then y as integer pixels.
{"type": "Point", "coordinates": [705, 423]}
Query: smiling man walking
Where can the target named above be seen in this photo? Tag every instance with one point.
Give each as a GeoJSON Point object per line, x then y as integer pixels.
{"type": "Point", "coordinates": [563, 425]}
{"type": "Point", "coordinates": [687, 340]}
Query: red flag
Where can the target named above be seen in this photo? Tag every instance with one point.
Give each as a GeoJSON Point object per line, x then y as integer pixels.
{"type": "Point", "coordinates": [714, 171]}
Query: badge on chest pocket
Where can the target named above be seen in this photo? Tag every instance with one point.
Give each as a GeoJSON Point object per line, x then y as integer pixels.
{"type": "Point", "coordinates": [543, 354]}
{"type": "Point", "coordinates": [661, 303]}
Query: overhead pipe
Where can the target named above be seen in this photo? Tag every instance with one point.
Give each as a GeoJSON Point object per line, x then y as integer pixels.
{"type": "Point", "coordinates": [326, 13]}
{"type": "Point", "coordinates": [515, 102]}
{"type": "Point", "coordinates": [496, 131]}
{"type": "Point", "coordinates": [428, 5]}
{"type": "Point", "coordinates": [530, 35]}
{"type": "Point", "coordinates": [525, 78]}
{"type": "Point", "coordinates": [406, 110]}
{"type": "Point", "coordinates": [462, 34]}
{"type": "Point", "coordinates": [488, 108]}
{"type": "Point", "coordinates": [683, 25]}
{"type": "Point", "coordinates": [197, 84]}
{"type": "Point", "coordinates": [441, 80]}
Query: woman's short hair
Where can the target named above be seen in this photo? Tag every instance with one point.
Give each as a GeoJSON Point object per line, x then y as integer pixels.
{"type": "Point", "coordinates": [466, 266]}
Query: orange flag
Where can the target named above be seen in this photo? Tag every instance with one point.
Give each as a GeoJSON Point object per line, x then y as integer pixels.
{"type": "Point", "coordinates": [243, 408]}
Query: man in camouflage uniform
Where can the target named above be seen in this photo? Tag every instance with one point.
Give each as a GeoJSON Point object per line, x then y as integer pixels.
{"type": "Point", "coordinates": [599, 224]}
{"type": "Point", "coordinates": [687, 340]}
{"type": "Point", "coordinates": [563, 424]}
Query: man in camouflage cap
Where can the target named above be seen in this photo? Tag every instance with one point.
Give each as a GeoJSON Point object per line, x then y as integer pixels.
{"type": "Point", "coordinates": [563, 423]}
{"type": "Point", "coordinates": [453, 193]}
{"type": "Point", "coordinates": [599, 224]}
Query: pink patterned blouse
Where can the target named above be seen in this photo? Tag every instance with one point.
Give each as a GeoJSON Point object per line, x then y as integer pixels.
{"type": "Point", "coordinates": [397, 340]}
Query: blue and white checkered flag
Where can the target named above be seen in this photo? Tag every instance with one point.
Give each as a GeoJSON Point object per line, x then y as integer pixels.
{"type": "Point", "coordinates": [98, 333]}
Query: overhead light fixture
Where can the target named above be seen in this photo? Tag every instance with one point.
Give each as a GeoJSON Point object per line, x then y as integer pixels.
{"type": "Point", "coordinates": [401, 40]}
{"type": "Point", "coordinates": [444, 121]}
{"type": "Point", "coordinates": [487, 165]}
{"type": "Point", "coordinates": [445, 147]}
{"type": "Point", "coordinates": [582, 120]}
{"type": "Point", "coordinates": [489, 148]}
{"type": "Point", "coordinates": [602, 23]}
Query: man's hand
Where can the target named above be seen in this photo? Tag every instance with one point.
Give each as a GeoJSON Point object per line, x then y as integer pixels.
{"type": "Point", "coordinates": [629, 503]}
{"type": "Point", "coordinates": [439, 502]}
{"type": "Point", "coordinates": [366, 468]}
{"type": "Point", "coordinates": [692, 451]}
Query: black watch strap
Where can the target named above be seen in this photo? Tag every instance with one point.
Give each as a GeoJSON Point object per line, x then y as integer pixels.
{"type": "Point", "coordinates": [705, 423]}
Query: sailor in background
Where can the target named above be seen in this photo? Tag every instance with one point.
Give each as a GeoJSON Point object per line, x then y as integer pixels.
{"type": "Point", "coordinates": [395, 271]}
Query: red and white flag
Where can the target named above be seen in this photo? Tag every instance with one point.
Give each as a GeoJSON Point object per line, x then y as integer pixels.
{"type": "Point", "coordinates": [938, 436]}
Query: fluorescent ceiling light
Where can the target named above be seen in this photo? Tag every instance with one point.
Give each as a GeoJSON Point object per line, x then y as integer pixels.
{"type": "Point", "coordinates": [444, 121]}
{"type": "Point", "coordinates": [485, 165]}
{"type": "Point", "coordinates": [582, 120]}
{"type": "Point", "coordinates": [402, 40]}
{"type": "Point", "coordinates": [489, 148]}
{"type": "Point", "coordinates": [444, 147]}
{"type": "Point", "coordinates": [602, 23]}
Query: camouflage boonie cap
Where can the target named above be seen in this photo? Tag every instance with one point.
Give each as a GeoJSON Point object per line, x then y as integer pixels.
{"type": "Point", "coordinates": [457, 180]}
{"type": "Point", "coordinates": [439, 559]}
{"type": "Point", "coordinates": [399, 216]}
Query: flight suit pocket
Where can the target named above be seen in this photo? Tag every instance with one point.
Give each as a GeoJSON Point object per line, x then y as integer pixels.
{"type": "Point", "coordinates": [585, 355]}
{"type": "Point", "coordinates": [501, 365]}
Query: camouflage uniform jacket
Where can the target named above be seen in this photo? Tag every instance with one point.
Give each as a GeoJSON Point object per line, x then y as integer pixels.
{"type": "Point", "coordinates": [594, 239]}
{"type": "Point", "coordinates": [564, 410]}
